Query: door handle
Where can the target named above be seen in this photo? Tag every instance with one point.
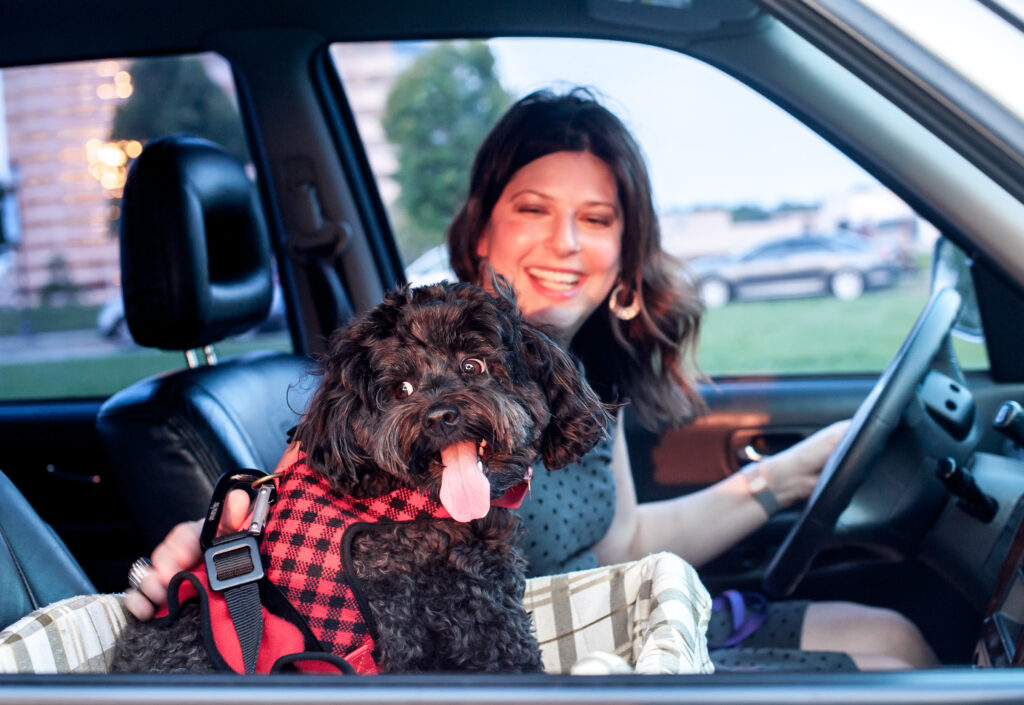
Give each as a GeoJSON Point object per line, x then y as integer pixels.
{"type": "Point", "coordinates": [748, 454]}
{"type": "Point", "coordinates": [753, 444]}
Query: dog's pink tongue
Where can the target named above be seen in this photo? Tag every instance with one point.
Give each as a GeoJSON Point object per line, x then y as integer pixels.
{"type": "Point", "coordinates": [465, 492]}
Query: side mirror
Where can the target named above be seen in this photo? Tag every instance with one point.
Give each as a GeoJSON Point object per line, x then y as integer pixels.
{"type": "Point", "coordinates": [951, 268]}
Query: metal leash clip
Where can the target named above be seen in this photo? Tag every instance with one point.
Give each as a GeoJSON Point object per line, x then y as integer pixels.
{"type": "Point", "coordinates": [234, 559]}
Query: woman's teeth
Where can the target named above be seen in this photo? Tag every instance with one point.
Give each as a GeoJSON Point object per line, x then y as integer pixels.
{"type": "Point", "coordinates": [554, 279]}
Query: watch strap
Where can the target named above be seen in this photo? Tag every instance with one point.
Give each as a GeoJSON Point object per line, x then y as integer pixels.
{"type": "Point", "coordinates": [757, 483]}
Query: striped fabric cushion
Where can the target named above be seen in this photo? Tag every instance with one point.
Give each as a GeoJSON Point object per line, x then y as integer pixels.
{"type": "Point", "coordinates": [647, 616]}
{"type": "Point", "coordinates": [75, 635]}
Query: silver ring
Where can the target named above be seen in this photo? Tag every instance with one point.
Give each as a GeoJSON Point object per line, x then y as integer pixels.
{"type": "Point", "coordinates": [138, 571]}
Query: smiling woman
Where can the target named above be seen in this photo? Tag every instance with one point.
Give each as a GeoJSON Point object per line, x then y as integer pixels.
{"type": "Point", "coordinates": [556, 232]}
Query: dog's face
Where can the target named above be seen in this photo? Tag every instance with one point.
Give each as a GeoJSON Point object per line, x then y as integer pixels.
{"type": "Point", "coordinates": [447, 388]}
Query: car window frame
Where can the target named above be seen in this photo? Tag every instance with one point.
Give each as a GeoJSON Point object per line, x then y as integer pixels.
{"type": "Point", "coordinates": [910, 77]}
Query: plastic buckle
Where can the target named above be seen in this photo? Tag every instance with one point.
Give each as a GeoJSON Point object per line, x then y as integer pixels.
{"type": "Point", "coordinates": [237, 559]}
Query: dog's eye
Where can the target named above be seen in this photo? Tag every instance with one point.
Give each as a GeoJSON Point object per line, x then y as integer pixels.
{"type": "Point", "coordinates": [473, 366]}
{"type": "Point", "coordinates": [404, 390]}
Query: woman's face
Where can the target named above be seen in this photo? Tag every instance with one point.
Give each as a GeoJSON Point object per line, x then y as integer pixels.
{"type": "Point", "coordinates": [556, 234]}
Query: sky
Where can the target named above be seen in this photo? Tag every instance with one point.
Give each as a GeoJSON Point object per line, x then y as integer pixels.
{"type": "Point", "coordinates": [708, 138]}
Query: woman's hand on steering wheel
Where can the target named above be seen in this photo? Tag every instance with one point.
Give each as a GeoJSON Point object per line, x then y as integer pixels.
{"type": "Point", "coordinates": [793, 473]}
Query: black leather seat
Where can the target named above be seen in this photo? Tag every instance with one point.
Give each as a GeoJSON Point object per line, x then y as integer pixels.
{"type": "Point", "coordinates": [196, 268]}
{"type": "Point", "coordinates": [36, 567]}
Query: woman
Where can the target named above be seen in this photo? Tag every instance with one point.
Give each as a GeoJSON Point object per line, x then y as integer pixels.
{"type": "Point", "coordinates": [560, 204]}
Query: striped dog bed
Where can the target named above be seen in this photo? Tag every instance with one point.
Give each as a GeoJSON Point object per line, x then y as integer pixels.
{"type": "Point", "coordinates": [646, 616]}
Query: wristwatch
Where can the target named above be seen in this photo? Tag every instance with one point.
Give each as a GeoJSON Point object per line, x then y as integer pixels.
{"type": "Point", "coordinates": [759, 489]}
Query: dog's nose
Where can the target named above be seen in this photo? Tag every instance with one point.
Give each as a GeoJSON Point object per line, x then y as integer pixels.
{"type": "Point", "coordinates": [441, 418]}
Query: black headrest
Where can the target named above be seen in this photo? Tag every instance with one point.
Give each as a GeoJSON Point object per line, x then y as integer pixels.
{"type": "Point", "coordinates": [195, 255]}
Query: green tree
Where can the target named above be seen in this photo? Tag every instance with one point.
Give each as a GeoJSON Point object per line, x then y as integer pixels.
{"type": "Point", "coordinates": [173, 96]}
{"type": "Point", "coordinates": [746, 213]}
{"type": "Point", "coordinates": [437, 114]}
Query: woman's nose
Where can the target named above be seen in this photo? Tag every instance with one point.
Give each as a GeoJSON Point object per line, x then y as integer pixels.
{"type": "Point", "coordinates": [564, 239]}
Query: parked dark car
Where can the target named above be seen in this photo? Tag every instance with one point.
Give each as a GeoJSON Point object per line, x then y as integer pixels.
{"type": "Point", "coordinates": [806, 265]}
{"type": "Point", "coordinates": [920, 510]}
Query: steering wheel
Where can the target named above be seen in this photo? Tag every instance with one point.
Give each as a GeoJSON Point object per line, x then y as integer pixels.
{"type": "Point", "coordinates": [870, 428]}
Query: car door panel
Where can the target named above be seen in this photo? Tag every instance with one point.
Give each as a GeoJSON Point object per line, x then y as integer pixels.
{"type": "Point", "coordinates": [51, 454]}
{"type": "Point", "coordinates": [767, 414]}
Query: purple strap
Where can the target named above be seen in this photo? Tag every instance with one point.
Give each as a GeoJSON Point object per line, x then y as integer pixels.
{"type": "Point", "coordinates": [744, 623]}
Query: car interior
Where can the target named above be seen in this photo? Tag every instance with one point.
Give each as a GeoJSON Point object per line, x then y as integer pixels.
{"type": "Point", "coordinates": [186, 426]}
{"type": "Point", "coordinates": [921, 508]}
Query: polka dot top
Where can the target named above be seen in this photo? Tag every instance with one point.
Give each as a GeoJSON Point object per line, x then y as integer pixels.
{"type": "Point", "coordinates": [567, 511]}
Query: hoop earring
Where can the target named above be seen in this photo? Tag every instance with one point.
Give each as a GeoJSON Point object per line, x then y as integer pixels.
{"type": "Point", "coordinates": [624, 313]}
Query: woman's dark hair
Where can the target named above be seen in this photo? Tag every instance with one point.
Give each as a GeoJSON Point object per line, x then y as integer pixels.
{"type": "Point", "coordinates": [653, 362]}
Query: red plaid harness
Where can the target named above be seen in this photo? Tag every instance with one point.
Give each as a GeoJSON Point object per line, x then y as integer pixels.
{"type": "Point", "coordinates": [306, 553]}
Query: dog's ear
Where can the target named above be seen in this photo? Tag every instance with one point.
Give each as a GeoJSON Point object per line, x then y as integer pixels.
{"type": "Point", "coordinates": [327, 432]}
{"type": "Point", "coordinates": [578, 417]}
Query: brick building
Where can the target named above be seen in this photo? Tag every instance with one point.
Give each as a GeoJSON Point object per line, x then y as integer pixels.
{"type": "Point", "coordinates": [53, 114]}
{"type": "Point", "coordinates": [68, 177]}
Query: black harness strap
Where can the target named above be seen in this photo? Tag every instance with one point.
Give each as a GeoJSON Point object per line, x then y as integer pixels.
{"type": "Point", "coordinates": [233, 563]}
{"type": "Point", "coordinates": [247, 615]}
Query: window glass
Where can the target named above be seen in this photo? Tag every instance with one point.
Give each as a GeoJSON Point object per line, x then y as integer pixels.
{"type": "Point", "coordinates": [68, 133]}
{"type": "Point", "coordinates": [969, 36]}
{"type": "Point", "coordinates": [841, 268]}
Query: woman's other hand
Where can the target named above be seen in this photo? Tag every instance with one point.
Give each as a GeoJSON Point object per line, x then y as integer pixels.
{"type": "Point", "coordinates": [180, 551]}
{"type": "Point", "coordinates": [792, 474]}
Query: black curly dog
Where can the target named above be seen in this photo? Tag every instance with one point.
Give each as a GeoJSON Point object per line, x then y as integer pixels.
{"type": "Point", "coordinates": [428, 370]}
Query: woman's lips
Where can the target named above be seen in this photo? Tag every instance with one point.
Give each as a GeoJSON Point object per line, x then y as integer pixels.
{"type": "Point", "coordinates": [558, 283]}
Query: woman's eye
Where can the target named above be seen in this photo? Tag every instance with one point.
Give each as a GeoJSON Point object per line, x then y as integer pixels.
{"type": "Point", "coordinates": [531, 209]}
{"type": "Point", "coordinates": [598, 221]}
{"type": "Point", "coordinates": [473, 366]}
{"type": "Point", "coordinates": [404, 390]}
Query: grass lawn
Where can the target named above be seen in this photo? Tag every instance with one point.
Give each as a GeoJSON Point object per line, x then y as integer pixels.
{"type": "Point", "coordinates": [46, 319]}
{"type": "Point", "coordinates": [818, 335]}
{"type": "Point", "coordinates": [101, 376]}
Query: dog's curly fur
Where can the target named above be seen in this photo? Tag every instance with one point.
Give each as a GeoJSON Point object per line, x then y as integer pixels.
{"type": "Point", "coordinates": [444, 595]}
